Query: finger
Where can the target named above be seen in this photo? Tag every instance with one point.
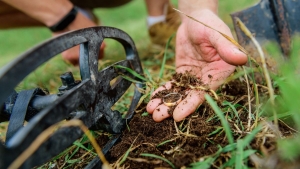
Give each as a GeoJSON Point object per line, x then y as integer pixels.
{"type": "Point", "coordinates": [161, 113]}
{"type": "Point", "coordinates": [101, 51]}
{"type": "Point", "coordinates": [153, 103]}
{"type": "Point", "coordinates": [151, 106]}
{"type": "Point", "coordinates": [188, 106]}
{"type": "Point", "coordinates": [71, 55]}
{"type": "Point", "coordinates": [103, 45]}
{"type": "Point", "coordinates": [227, 50]}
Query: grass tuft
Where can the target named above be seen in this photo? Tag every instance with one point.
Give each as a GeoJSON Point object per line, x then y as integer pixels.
{"type": "Point", "coordinates": [222, 118]}
{"type": "Point", "coordinates": [158, 157]}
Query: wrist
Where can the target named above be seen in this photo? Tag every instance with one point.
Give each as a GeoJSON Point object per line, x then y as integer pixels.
{"type": "Point", "coordinates": [79, 22]}
{"type": "Point", "coordinates": [52, 14]}
{"type": "Point", "coordinates": [65, 21]}
{"type": "Point", "coordinates": [195, 6]}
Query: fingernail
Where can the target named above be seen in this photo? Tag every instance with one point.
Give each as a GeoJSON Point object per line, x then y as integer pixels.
{"type": "Point", "coordinates": [239, 51]}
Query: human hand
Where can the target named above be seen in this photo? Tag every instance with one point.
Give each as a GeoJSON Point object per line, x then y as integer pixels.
{"type": "Point", "coordinates": [206, 54]}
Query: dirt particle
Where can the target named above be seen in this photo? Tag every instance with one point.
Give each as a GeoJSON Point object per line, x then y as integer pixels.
{"type": "Point", "coordinates": [181, 83]}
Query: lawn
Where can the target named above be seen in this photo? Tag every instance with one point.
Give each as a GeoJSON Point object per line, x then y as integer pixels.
{"type": "Point", "coordinates": [220, 128]}
{"type": "Point", "coordinates": [131, 18]}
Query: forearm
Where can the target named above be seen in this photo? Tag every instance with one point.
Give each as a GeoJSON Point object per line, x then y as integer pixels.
{"type": "Point", "coordinates": [49, 12]}
{"type": "Point", "coordinates": [191, 6]}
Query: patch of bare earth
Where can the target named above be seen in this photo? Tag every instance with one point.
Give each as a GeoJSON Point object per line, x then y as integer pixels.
{"type": "Point", "coordinates": [186, 142]}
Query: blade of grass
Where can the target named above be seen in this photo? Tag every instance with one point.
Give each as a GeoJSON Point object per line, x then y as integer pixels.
{"type": "Point", "coordinates": [130, 79]}
{"type": "Point", "coordinates": [142, 99]}
{"type": "Point", "coordinates": [221, 116]}
{"type": "Point", "coordinates": [164, 142]}
{"type": "Point", "coordinates": [282, 115]}
{"type": "Point", "coordinates": [216, 131]}
{"type": "Point", "coordinates": [247, 153]}
{"type": "Point", "coordinates": [255, 91]}
{"type": "Point", "coordinates": [230, 163]}
{"type": "Point", "coordinates": [228, 148]}
{"type": "Point", "coordinates": [249, 100]}
{"type": "Point", "coordinates": [145, 114]}
{"type": "Point", "coordinates": [75, 151]}
{"type": "Point", "coordinates": [73, 161]}
{"type": "Point", "coordinates": [249, 137]}
{"type": "Point", "coordinates": [206, 164]}
{"type": "Point", "coordinates": [240, 153]}
{"type": "Point", "coordinates": [149, 76]}
{"type": "Point", "coordinates": [263, 61]}
{"type": "Point", "coordinates": [241, 145]}
{"type": "Point", "coordinates": [235, 112]}
{"type": "Point", "coordinates": [208, 161]}
{"type": "Point", "coordinates": [241, 73]}
{"type": "Point", "coordinates": [165, 57]}
{"type": "Point", "coordinates": [62, 154]}
{"type": "Point", "coordinates": [83, 147]}
{"type": "Point", "coordinates": [125, 155]}
{"type": "Point", "coordinates": [134, 73]}
{"type": "Point", "coordinates": [158, 157]}
{"type": "Point", "coordinates": [211, 118]}
{"type": "Point", "coordinates": [67, 157]}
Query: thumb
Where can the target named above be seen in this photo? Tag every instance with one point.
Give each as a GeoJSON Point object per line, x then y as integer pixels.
{"type": "Point", "coordinates": [229, 52]}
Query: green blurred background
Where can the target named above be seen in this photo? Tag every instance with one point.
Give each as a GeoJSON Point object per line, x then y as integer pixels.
{"type": "Point", "coordinates": [131, 18]}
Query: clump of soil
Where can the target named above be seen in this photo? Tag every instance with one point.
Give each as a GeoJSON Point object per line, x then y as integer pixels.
{"type": "Point", "coordinates": [181, 84]}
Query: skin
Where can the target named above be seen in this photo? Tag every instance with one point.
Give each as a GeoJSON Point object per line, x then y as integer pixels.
{"type": "Point", "coordinates": [155, 7]}
{"type": "Point", "coordinates": [202, 51]}
{"type": "Point", "coordinates": [48, 13]}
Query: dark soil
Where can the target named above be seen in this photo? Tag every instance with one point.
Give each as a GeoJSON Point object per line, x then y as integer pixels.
{"type": "Point", "coordinates": [180, 149]}
{"type": "Point", "coordinates": [197, 137]}
{"type": "Point", "coordinates": [185, 142]}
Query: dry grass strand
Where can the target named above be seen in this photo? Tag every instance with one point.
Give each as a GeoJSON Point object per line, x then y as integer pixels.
{"type": "Point", "coordinates": [48, 132]}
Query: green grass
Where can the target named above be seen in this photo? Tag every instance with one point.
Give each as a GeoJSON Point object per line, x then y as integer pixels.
{"type": "Point", "coordinates": [131, 19]}
{"type": "Point", "coordinates": [221, 117]}
{"type": "Point", "coordinates": [17, 41]}
{"type": "Point", "coordinates": [158, 157]}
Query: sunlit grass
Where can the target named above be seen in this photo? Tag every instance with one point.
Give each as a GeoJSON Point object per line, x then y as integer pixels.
{"type": "Point", "coordinates": [287, 81]}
